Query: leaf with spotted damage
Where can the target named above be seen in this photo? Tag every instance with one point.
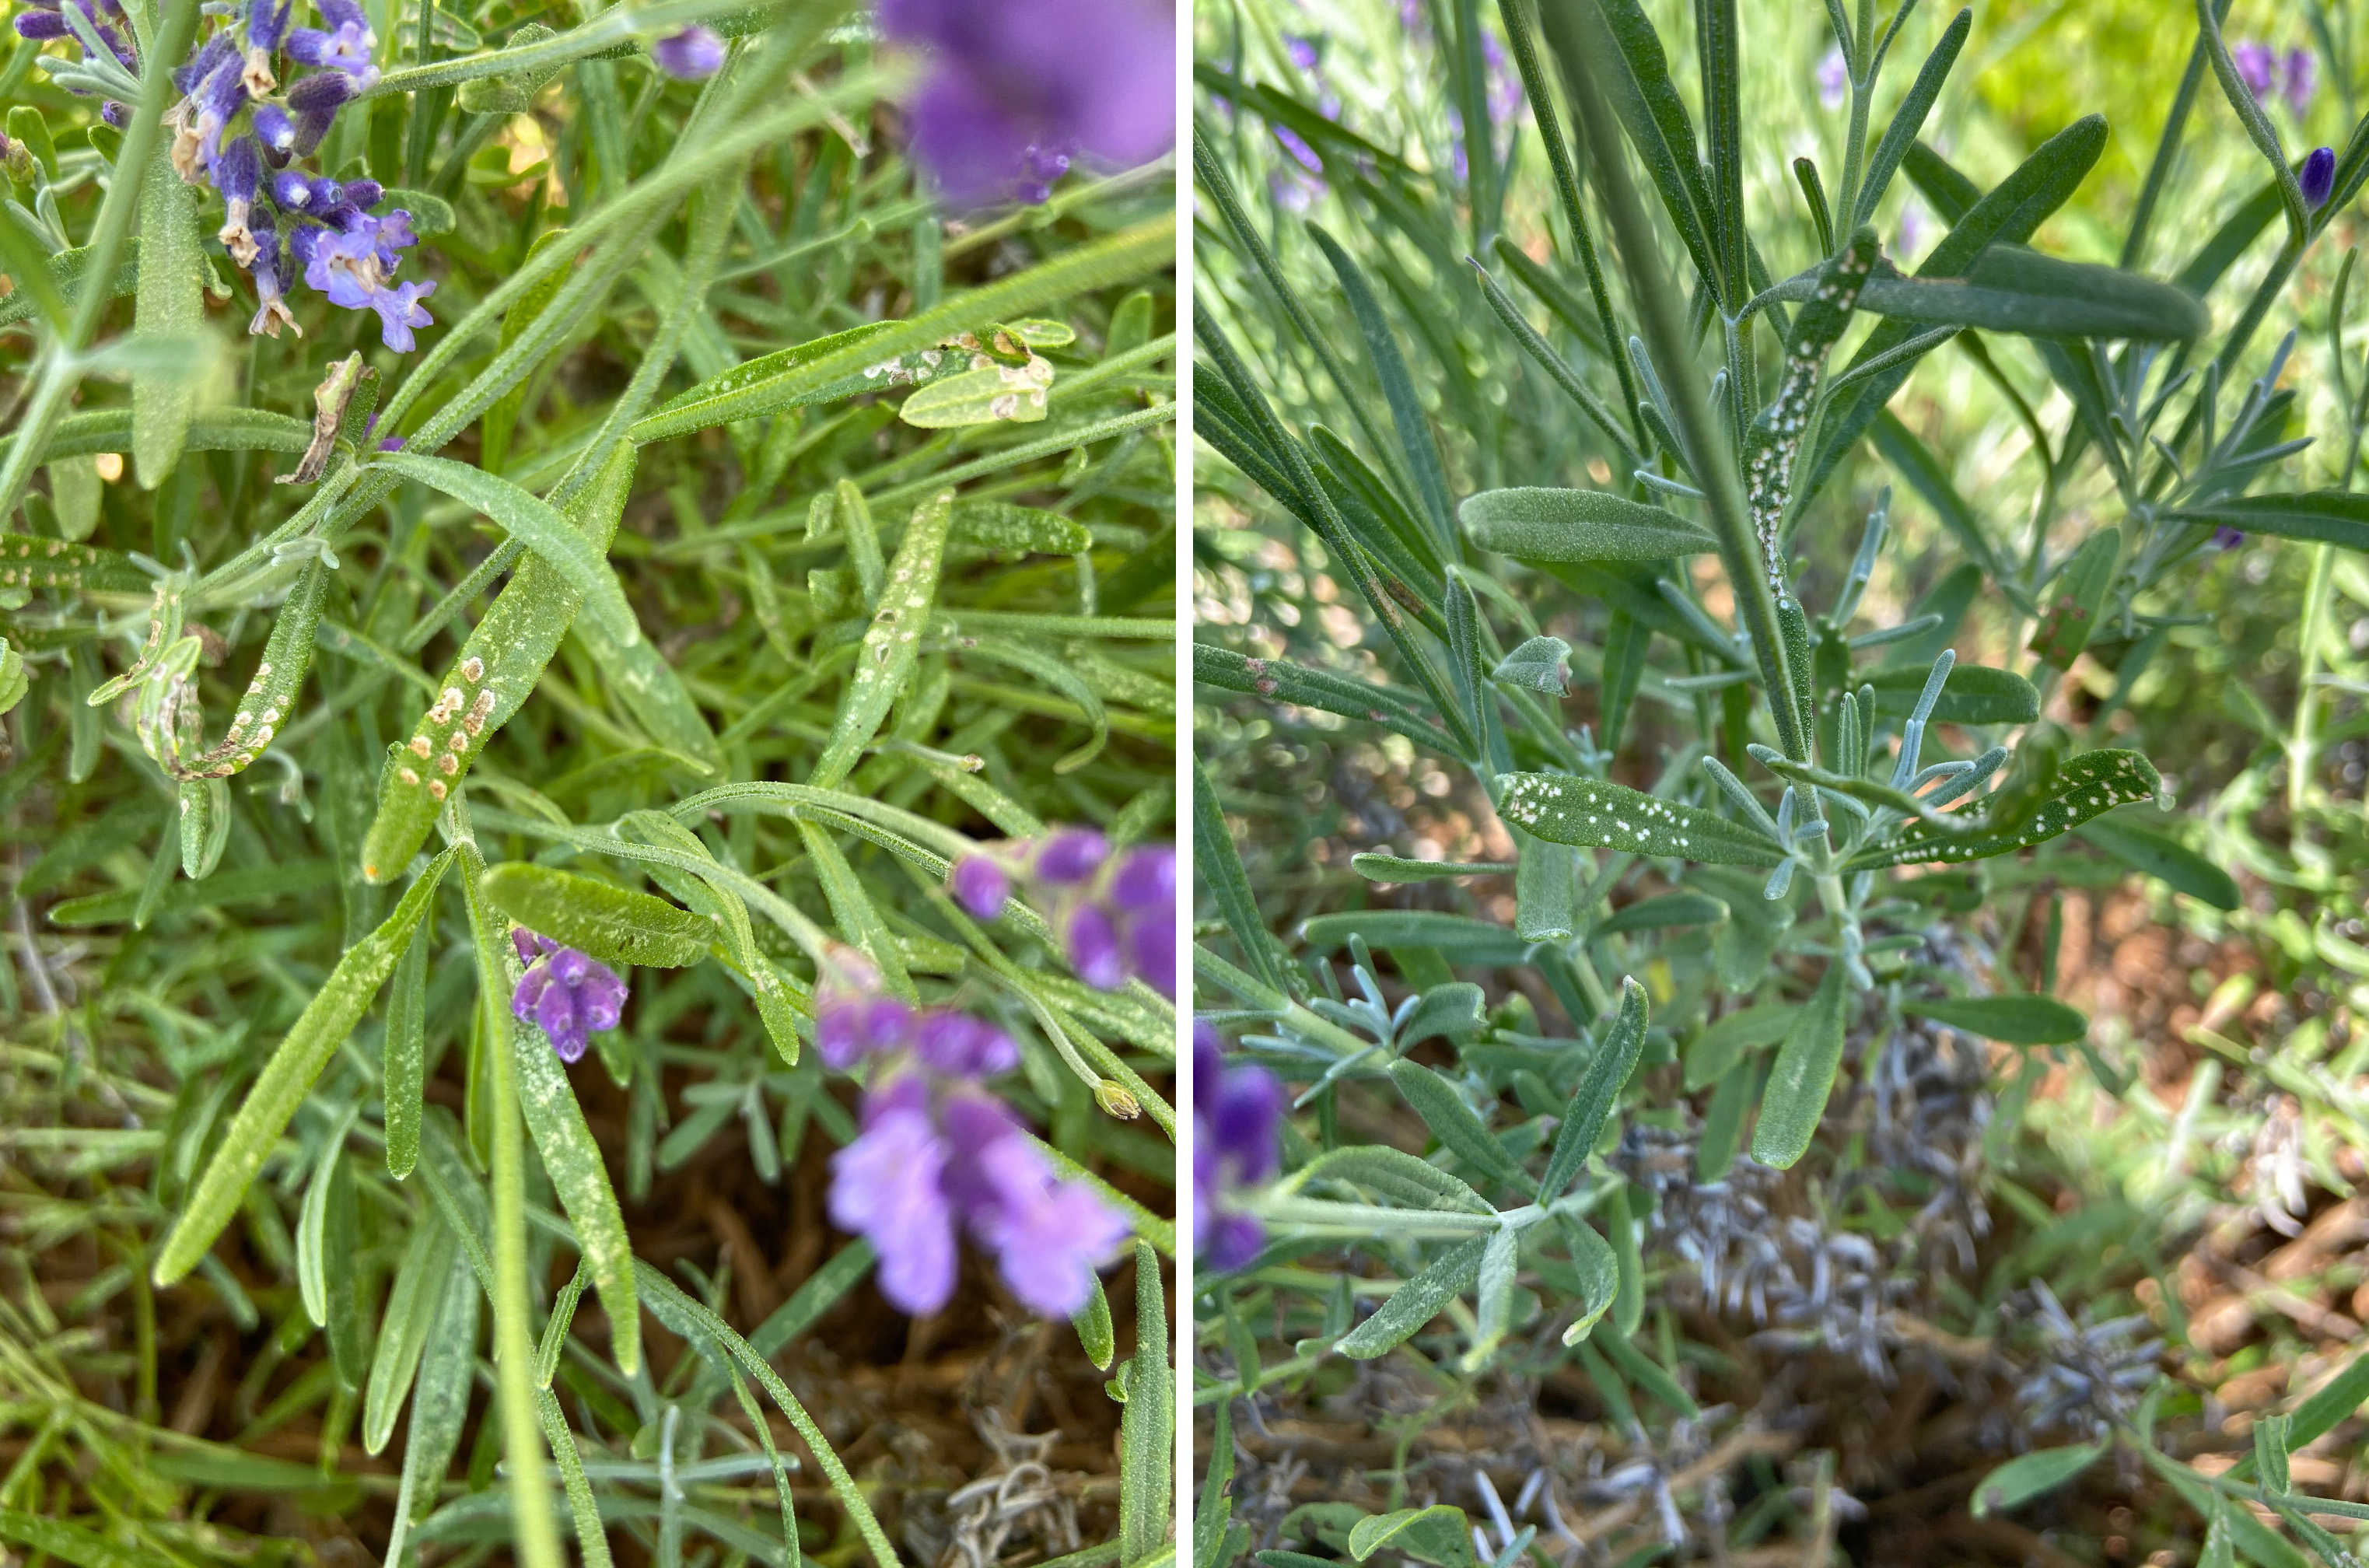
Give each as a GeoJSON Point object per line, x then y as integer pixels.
{"type": "Point", "coordinates": [1566, 810]}
{"type": "Point", "coordinates": [2087, 786]}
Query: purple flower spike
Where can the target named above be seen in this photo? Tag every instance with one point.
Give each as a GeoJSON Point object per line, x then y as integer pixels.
{"type": "Point", "coordinates": [1049, 1235]}
{"type": "Point", "coordinates": [1017, 89]}
{"type": "Point", "coordinates": [887, 1186]}
{"type": "Point", "coordinates": [979, 884]}
{"type": "Point", "coordinates": [1093, 947]}
{"type": "Point", "coordinates": [1834, 79]}
{"type": "Point", "coordinates": [1071, 857]}
{"type": "Point", "coordinates": [959, 1045]}
{"type": "Point", "coordinates": [1146, 879]}
{"type": "Point", "coordinates": [2257, 67]}
{"type": "Point", "coordinates": [565, 993]}
{"type": "Point", "coordinates": [2299, 80]}
{"type": "Point", "coordinates": [1237, 1118]}
{"type": "Point", "coordinates": [692, 55]}
{"type": "Point", "coordinates": [1150, 940]}
{"type": "Point", "coordinates": [2317, 178]}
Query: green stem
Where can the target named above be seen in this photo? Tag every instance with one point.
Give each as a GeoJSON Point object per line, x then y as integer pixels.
{"type": "Point", "coordinates": [116, 212]}
{"type": "Point", "coordinates": [1662, 317]}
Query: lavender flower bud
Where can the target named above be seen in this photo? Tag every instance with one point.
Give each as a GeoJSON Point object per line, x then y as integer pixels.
{"type": "Point", "coordinates": [691, 55]}
{"type": "Point", "coordinates": [2299, 80]}
{"type": "Point", "coordinates": [887, 1186]}
{"type": "Point", "coordinates": [292, 190]}
{"type": "Point", "coordinates": [316, 100]}
{"type": "Point", "coordinates": [1071, 857]}
{"type": "Point", "coordinates": [266, 24]}
{"type": "Point", "coordinates": [959, 1045]}
{"type": "Point", "coordinates": [1146, 879]}
{"type": "Point", "coordinates": [274, 129]}
{"type": "Point", "coordinates": [979, 885]}
{"type": "Point", "coordinates": [2317, 178]}
{"type": "Point", "coordinates": [2257, 67]}
{"type": "Point", "coordinates": [41, 26]}
{"type": "Point", "coordinates": [1237, 1118]}
{"type": "Point", "coordinates": [1094, 948]}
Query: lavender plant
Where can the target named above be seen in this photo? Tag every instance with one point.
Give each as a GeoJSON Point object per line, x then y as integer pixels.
{"type": "Point", "coordinates": [625, 665]}
{"type": "Point", "coordinates": [1689, 1049]}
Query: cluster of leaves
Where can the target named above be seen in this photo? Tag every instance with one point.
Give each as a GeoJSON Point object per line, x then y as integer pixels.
{"type": "Point", "coordinates": [747, 544]}
{"type": "Point", "coordinates": [1818, 796]}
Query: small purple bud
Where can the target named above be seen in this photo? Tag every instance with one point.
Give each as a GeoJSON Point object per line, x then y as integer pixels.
{"type": "Point", "coordinates": [2317, 178]}
{"type": "Point", "coordinates": [691, 55]}
{"type": "Point", "coordinates": [2226, 538]}
{"type": "Point", "coordinates": [1071, 856]}
{"type": "Point", "coordinates": [277, 131]}
{"type": "Point", "coordinates": [1151, 949]}
{"type": "Point", "coordinates": [2299, 81]}
{"type": "Point", "coordinates": [362, 193]}
{"type": "Point", "coordinates": [979, 885]}
{"type": "Point", "coordinates": [960, 1046]}
{"type": "Point", "coordinates": [2257, 66]}
{"type": "Point", "coordinates": [237, 169]}
{"type": "Point", "coordinates": [887, 1187]}
{"type": "Point", "coordinates": [115, 114]}
{"type": "Point", "coordinates": [41, 26]}
{"type": "Point", "coordinates": [1834, 79]}
{"type": "Point", "coordinates": [1146, 879]}
{"type": "Point", "coordinates": [390, 443]}
{"type": "Point", "coordinates": [1094, 948]}
{"type": "Point", "coordinates": [292, 190]}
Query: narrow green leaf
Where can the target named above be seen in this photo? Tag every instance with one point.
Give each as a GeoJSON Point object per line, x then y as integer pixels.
{"type": "Point", "coordinates": [171, 305]}
{"type": "Point", "coordinates": [1662, 911]}
{"type": "Point", "coordinates": [2027, 1476]}
{"type": "Point", "coordinates": [2014, 1020]}
{"type": "Point", "coordinates": [580, 561]}
{"type": "Point", "coordinates": [616, 925]}
{"type": "Point", "coordinates": [1405, 1310]}
{"type": "Point", "coordinates": [1975, 695]}
{"type": "Point", "coordinates": [2328, 517]}
{"type": "Point", "coordinates": [491, 679]}
{"type": "Point", "coordinates": [1543, 892]}
{"type": "Point", "coordinates": [570, 1156]}
{"type": "Point", "coordinates": [1390, 1176]}
{"type": "Point", "coordinates": [1148, 1425]}
{"type": "Point", "coordinates": [1599, 1089]}
{"type": "Point", "coordinates": [892, 645]}
{"type": "Point", "coordinates": [1572, 810]}
{"type": "Point", "coordinates": [414, 1306]}
{"type": "Point", "coordinates": [1596, 1271]}
{"type": "Point", "coordinates": [447, 1367]}
{"type": "Point", "coordinates": [1900, 133]}
{"type": "Point", "coordinates": [835, 367]}
{"type": "Point", "coordinates": [1457, 1127]}
{"type": "Point", "coordinates": [1532, 524]}
{"type": "Point", "coordinates": [1717, 1049]}
{"type": "Point", "coordinates": [2166, 859]}
{"type": "Point", "coordinates": [289, 1076]}
{"type": "Point", "coordinates": [1375, 867]}
{"type": "Point", "coordinates": [2087, 786]}
{"type": "Point", "coordinates": [1804, 1074]}
{"type": "Point", "coordinates": [1439, 1533]}
{"type": "Point", "coordinates": [2074, 600]}
{"type": "Point", "coordinates": [1098, 1336]}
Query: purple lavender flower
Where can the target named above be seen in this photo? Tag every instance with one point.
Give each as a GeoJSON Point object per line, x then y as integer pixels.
{"type": "Point", "coordinates": [314, 101]}
{"type": "Point", "coordinates": [2226, 538]}
{"type": "Point", "coordinates": [1146, 879]}
{"type": "Point", "coordinates": [979, 884]}
{"type": "Point", "coordinates": [2257, 67]}
{"type": "Point", "coordinates": [957, 1045]}
{"type": "Point", "coordinates": [1237, 1116]}
{"type": "Point", "coordinates": [1297, 145]}
{"type": "Point", "coordinates": [1049, 1234]}
{"type": "Point", "coordinates": [270, 266]}
{"type": "Point", "coordinates": [2317, 178]}
{"type": "Point", "coordinates": [1071, 857]}
{"type": "Point", "coordinates": [1091, 939]}
{"type": "Point", "coordinates": [888, 1186]}
{"type": "Point", "coordinates": [275, 130]}
{"type": "Point", "coordinates": [351, 264]}
{"type": "Point", "coordinates": [235, 174]}
{"type": "Point", "coordinates": [2299, 79]}
{"type": "Point", "coordinates": [565, 993]}
{"type": "Point", "coordinates": [1834, 79]}
{"type": "Point", "coordinates": [925, 1161]}
{"type": "Point", "coordinates": [1015, 87]}
{"type": "Point", "coordinates": [692, 55]}
{"type": "Point", "coordinates": [345, 45]}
